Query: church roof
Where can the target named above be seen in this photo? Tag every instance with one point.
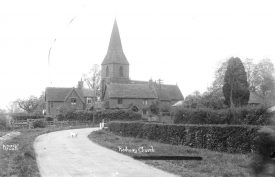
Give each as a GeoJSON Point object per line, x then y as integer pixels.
{"type": "Point", "coordinates": [168, 92]}
{"type": "Point", "coordinates": [115, 53]}
{"type": "Point", "coordinates": [60, 94]}
{"type": "Point", "coordinates": [142, 90]}
{"type": "Point", "coordinates": [115, 90]}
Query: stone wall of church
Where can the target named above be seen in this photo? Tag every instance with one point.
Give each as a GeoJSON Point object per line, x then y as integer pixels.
{"type": "Point", "coordinates": [114, 73]}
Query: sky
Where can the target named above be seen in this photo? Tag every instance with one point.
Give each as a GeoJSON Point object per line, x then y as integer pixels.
{"type": "Point", "coordinates": [180, 42]}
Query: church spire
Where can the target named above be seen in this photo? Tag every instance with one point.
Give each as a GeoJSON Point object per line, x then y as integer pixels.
{"type": "Point", "coordinates": [115, 53]}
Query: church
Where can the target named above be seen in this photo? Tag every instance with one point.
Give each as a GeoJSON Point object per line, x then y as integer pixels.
{"type": "Point", "coordinates": [119, 91]}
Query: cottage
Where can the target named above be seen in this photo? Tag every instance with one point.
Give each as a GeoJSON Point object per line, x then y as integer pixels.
{"type": "Point", "coordinates": [75, 98]}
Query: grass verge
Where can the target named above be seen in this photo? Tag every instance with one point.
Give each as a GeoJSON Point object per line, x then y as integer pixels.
{"type": "Point", "coordinates": [21, 162]}
{"type": "Point", "coordinates": [213, 163]}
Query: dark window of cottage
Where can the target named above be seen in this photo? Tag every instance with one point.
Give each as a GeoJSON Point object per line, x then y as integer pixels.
{"type": "Point", "coordinates": [107, 71]}
{"type": "Point", "coordinates": [119, 101]}
{"type": "Point", "coordinates": [89, 100]}
{"type": "Point", "coordinates": [51, 104]}
{"type": "Point", "coordinates": [73, 100]}
{"type": "Point", "coordinates": [121, 71]}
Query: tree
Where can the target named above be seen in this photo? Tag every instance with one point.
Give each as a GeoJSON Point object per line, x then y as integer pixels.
{"type": "Point", "coordinates": [13, 108]}
{"type": "Point", "coordinates": [249, 68]}
{"type": "Point", "coordinates": [92, 79]}
{"type": "Point", "coordinates": [193, 100]}
{"type": "Point", "coordinates": [259, 77]}
{"type": "Point", "coordinates": [263, 79]}
{"type": "Point", "coordinates": [213, 97]}
{"type": "Point", "coordinates": [235, 88]}
{"type": "Point", "coordinates": [155, 108]}
{"type": "Point", "coordinates": [32, 105]}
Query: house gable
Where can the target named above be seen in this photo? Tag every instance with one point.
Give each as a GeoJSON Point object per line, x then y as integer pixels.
{"type": "Point", "coordinates": [74, 93]}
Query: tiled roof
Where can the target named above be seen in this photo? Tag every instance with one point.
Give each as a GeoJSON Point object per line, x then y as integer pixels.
{"type": "Point", "coordinates": [115, 53]}
{"type": "Point", "coordinates": [165, 92]}
{"type": "Point", "coordinates": [168, 92]}
{"type": "Point", "coordinates": [254, 98]}
{"type": "Point", "coordinates": [59, 94]}
{"type": "Point", "coordinates": [115, 90]}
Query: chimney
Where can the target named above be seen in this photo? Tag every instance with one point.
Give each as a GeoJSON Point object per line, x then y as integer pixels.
{"type": "Point", "coordinates": [80, 84]}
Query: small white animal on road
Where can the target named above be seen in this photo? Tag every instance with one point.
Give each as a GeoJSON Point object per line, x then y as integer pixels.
{"type": "Point", "coordinates": [73, 134]}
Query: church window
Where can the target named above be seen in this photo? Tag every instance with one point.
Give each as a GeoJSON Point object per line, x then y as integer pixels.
{"type": "Point", "coordinates": [121, 71]}
{"type": "Point", "coordinates": [119, 101]}
{"type": "Point", "coordinates": [107, 71]}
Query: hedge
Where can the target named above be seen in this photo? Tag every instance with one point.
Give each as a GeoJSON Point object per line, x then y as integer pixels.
{"type": "Point", "coordinates": [249, 115]}
{"type": "Point", "coordinates": [223, 138]}
{"type": "Point", "coordinates": [107, 115]}
{"type": "Point", "coordinates": [25, 116]}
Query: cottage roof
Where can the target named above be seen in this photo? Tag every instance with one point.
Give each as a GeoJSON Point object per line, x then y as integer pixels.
{"type": "Point", "coordinates": [115, 53]}
{"type": "Point", "coordinates": [79, 93]}
{"type": "Point", "coordinates": [115, 90]}
{"type": "Point", "coordinates": [254, 98]}
{"type": "Point", "coordinates": [60, 94]}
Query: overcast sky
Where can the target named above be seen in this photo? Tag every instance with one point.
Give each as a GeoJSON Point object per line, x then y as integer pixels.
{"type": "Point", "coordinates": [178, 41]}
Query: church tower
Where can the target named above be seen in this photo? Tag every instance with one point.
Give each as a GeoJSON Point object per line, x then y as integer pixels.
{"type": "Point", "coordinates": [115, 67]}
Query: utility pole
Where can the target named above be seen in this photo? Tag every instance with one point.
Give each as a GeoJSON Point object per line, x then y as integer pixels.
{"type": "Point", "coordinates": [159, 82]}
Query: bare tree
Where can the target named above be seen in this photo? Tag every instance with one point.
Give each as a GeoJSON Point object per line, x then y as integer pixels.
{"type": "Point", "coordinates": [92, 79]}
{"type": "Point", "coordinates": [28, 105]}
{"type": "Point", "coordinates": [32, 105]}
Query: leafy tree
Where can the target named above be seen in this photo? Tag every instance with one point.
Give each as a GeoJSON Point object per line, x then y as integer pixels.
{"type": "Point", "coordinates": [193, 100]}
{"type": "Point", "coordinates": [154, 108]}
{"type": "Point", "coordinates": [259, 77]}
{"type": "Point", "coordinates": [235, 88]}
{"type": "Point", "coordinates": [213, 97]}
{"type": "Point", "coordinates": [263, 80]}
{"type": "Point", "coordinates": [212, 100]}
{"type": "Point", "coordinates": [92, 79]}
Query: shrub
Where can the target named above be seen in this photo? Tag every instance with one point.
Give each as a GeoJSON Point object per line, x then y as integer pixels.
{"type": "Point", "coordinates": [49, 119]}
{"type": "Point", "coordinates": [154, 108]}
{"type": "Point", "coordinates": [249, 115]}
{"type": "Point", "coordinates": [3, 122]}
{"type": "Point", "coordinates": [265, 150]}
{"type": "Point", "coordinates": [224, 138]}
{"type": "Point", "coordinates": [39, 124]}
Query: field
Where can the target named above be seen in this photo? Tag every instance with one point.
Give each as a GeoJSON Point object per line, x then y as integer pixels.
{"type": "Point", "coordinates": [213, 163]}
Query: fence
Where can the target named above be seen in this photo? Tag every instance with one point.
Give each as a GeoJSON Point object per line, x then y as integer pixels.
{"type": "Point", "coordinates": [29, 123]}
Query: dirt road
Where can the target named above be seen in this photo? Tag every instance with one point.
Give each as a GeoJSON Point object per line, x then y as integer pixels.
{"type": "Point", "coordinates": [60, 155]}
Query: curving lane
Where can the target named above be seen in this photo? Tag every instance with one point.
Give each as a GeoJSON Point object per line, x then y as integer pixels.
{"type": "Point", "coordinates": [60, 155]}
